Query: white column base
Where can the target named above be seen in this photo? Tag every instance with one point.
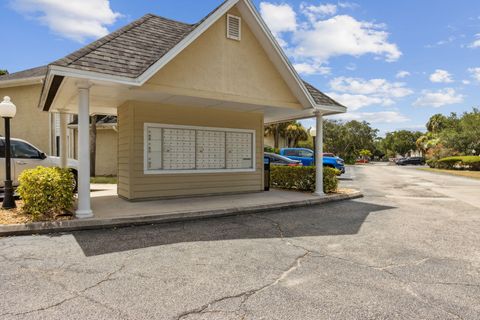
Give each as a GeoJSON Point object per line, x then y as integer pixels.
{"type": "Point", "coordinates": [83, 214]}
{"type": "Point", "coordinates": [319, 193]}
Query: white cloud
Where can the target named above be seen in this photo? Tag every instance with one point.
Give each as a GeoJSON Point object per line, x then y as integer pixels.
{"type": "Point", "coordinates": [309, 69]}
{"type": "Point", "coordinates": [279, 18]}
{"type": "Point", "coordinates": [356, 93]}
{"type": "Point", "coordinates": [312, 12]}
{"type": "Point", "coordinates": [439, 98]}
{"type": "Point", "coordinates": [357, 101]}
{"type": "Point", "coordinates": [348, 5]}
{"type": "Point", "coordinates": [476, 43]}
{"type": "Point", "coordinates": [466, 82]}
{"type": "Point", "coordinates": [382, 117]}
{"type": "Point", "coordinates": [73, 19]}
{"type": "Point", "coordinates": [402, 74]}
{"type": "Point", "coordinates": [314, 40]}
{"type": "Point", "coordinates": [475, 72]}
{"type": "Point", "coordinates": [343, 35]}
{"type": "Point", "coordinates": [441, 76]}
{"type": "Point", "coordinates": [372, 86]}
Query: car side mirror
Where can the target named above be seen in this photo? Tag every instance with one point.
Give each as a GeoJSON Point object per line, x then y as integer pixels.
{"type": "Point", "coordinates": [43, 155]}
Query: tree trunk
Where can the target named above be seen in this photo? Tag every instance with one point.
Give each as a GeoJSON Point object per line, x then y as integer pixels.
{"type": "Point", "coordinates": [276, 136]}
{"type": "Point", "coordinates": [93, 144]}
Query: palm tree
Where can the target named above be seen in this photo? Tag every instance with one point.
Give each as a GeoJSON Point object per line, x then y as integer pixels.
{"type": "Point", "coordinates": [276, 130]}
{"type": "Point", "coordinates": [295, 132]}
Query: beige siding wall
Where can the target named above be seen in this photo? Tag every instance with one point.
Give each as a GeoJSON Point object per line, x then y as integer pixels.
{"type": "Point", "coordinates": [106, 158]}
{"type": "Point", "coordinates": [216, 67]}
{"type": "Point", "coordinates": [30, 123]}
{"type": "Point", "coordinates": [269, 141]}
{"type": "Point", "coordinates": [125, 121]}
{"type": "Point", "coordinates": [135, 185]}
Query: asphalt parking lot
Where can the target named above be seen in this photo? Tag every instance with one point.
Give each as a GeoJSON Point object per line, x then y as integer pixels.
{"type": "Point", "coordinates": [408, 250]}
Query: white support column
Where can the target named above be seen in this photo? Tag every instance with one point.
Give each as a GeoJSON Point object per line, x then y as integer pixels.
{"type": "Point", "coordinates": [319, 155]}
{"type": "Point", "coordinates": [84, 209]}
{"type": "Point", "coordinates": [63, 140]}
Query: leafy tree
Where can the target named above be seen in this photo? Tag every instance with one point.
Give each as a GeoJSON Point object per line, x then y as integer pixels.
{"type": "Point", "coordinates": [437, 123]}
{"type": "Point", "coordinates": [347, 139]}
{"type": "Point", "coordinates": [294, 133]}
{"type": "Point", "coordinates": [401, 142]}
{"type": "Point", "coordinates": [365, 153]}
{"type": "Point", "coordinates": [3, 72]}
{"type": "Point", "coordinates": [276, 130]}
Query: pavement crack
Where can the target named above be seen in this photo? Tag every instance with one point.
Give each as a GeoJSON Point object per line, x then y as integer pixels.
{"type": "Point", "coordinates": [74, 294]}
{"type": "Point", "coordinates": [245, 295]}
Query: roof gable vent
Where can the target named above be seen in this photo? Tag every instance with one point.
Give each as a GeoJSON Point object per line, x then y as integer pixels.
{"type": "Point", "coordinates": [234, 27]}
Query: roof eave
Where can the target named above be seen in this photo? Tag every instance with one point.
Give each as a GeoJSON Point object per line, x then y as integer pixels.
{"type": "Point", "coordinates": [21, 82]}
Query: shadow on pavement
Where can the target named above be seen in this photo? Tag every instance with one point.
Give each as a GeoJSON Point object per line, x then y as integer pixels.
{"type": "Point", "coordinates": [344, 218]}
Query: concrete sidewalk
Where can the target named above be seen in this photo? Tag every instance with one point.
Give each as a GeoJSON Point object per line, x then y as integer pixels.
{"type": "Point", "coordinates": [111, 211]}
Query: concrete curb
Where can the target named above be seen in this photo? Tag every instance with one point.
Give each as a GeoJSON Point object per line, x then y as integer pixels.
{"type": "Point", "coordinates": [99, 223]}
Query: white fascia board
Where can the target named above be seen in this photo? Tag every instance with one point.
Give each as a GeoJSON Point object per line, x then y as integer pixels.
{"type": "Point", "coordinates": [307, 113]}
{"type": "Point", "coordinates": [273, 42]}
{"type": "Point", "coordinates": [21, 82]}
{"type": "Point", "coordinates": [330, 109]}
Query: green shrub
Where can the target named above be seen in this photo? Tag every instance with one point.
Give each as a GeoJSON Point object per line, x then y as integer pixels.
{"type": "Point", "coordinates": [46, 190]}
{"type": "Point", "coordinates": [432, 163]}
{"type": "Point", "coordinates": [303, 178]}
{"type": "Point", "coordinates": [456, 163]}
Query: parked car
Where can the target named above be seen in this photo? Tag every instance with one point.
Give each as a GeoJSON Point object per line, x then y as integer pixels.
{"type": "Point", "coordinates": [418, 161]}
{"type": "Point", "coordinates": [278, 160]}
{"type": "Point", "coordinates": [306, 157]}
{"type": "Point", "coordinates": [26, 156]}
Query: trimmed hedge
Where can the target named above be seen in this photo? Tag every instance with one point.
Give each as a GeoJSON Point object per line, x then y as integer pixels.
{"type": "Point", "coordinates": [303, 178]}
{"type": "Point", "coordinates": [456, 163]}
{"type": "Point", "coordinates": [46, 191]}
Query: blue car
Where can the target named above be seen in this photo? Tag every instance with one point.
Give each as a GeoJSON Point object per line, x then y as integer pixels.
{"type": "Point", "coordinates": [306, 157]}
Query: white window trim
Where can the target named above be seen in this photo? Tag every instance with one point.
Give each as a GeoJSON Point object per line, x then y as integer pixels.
{"type": "Point", "coordinates": [196, 171]}
{"type": "Point", "coordinates": [239, 38]}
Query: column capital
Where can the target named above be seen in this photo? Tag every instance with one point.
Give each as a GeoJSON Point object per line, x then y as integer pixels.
{"type": "Point", "coordinates": [317, 112]}
{"type": "Point", "coordinates": [83, 84]}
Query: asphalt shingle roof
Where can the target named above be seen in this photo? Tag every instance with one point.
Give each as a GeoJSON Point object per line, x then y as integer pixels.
{"type": "Point", "coordinates": [29, 73]}
{"type": "Point", "coordinates": [131, 50]}
{"type": "Point", "coordinates": [320, 97]}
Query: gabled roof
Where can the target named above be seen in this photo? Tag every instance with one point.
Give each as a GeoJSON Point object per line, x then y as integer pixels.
{"type": "Point", "coordinates": [135, 52]}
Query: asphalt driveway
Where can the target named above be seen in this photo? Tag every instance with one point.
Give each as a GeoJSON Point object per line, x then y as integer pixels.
{"type": "Point", "coordinates": [409, 250]}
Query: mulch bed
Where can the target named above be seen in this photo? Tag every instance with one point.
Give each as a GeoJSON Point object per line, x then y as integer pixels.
{"type": "Point", "coordinates": [17, 216]}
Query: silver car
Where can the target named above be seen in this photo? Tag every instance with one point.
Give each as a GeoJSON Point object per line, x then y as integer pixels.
{"type": "Point", "coordinates": [26, 156]}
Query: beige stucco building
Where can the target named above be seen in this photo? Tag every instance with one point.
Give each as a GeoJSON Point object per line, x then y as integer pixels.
{"type": "Point", "coordinates": [191, 100]}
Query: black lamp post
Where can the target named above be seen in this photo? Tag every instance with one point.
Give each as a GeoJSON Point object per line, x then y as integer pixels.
{"type": "Point", "coordinates": [313, 133]}
{"type": "Point", "coordinates": [8, 111]}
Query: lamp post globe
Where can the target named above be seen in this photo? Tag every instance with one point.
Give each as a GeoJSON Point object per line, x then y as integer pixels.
{"type": "Point", "coordinates": [7, 108]}
{"type": "Point", "coordinates": [8, 111]}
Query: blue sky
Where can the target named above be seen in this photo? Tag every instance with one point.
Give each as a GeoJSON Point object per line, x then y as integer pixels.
{"type": "Point", "coordinates": [394, 63]}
